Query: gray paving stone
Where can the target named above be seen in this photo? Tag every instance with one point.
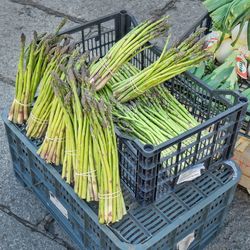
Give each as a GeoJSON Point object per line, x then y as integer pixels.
{"type": "Point", "coordinates": [235, 234]}
{"type": "Point", "coordinates": [16, 236]}
{"type": "Point", "coordinates": [182, 17]}
{"type": "Point", "coordinates": [15, 19]}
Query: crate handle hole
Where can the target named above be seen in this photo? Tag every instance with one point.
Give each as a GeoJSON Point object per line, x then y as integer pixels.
{"type": "Point", "coordinates": [243, 99]}
{"type": "Point", "coordinates": [123, 12]}
{"type": "Point", "coordinates": [148, 147]}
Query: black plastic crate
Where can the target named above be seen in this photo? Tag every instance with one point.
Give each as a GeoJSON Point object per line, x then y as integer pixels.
{"type": "Point", "coordinates": [193, 209]}
{"type": "Point", "coordinates": [145, 170]}
{"type": "Point", "coordinates": [206, 22]}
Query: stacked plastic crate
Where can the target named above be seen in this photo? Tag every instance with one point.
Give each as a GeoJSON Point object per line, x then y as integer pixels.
{"type": "Point", "coordinates": [241, 153]}
{"type": "Point", "coordinates": [177, 194]}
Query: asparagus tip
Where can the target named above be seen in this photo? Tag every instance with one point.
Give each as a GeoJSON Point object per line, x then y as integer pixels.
{"type": "Point", "coordinates": [23, 38]}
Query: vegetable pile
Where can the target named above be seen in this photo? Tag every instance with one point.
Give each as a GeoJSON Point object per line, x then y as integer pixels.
{"type": "Point", "coordinates": [231, 16]}
{"type": "Point", "coordinates": [229, 41]}
{"type": "Point", "coordinates": [80, 101]}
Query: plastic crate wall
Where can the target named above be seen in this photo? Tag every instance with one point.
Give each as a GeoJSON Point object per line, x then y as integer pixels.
{"type": "Point", "coordinates": [147, 170]}
{"type": "Point", "coordinates": [206, 22]}
{"type": "Point", "coordinates": [197, 207]}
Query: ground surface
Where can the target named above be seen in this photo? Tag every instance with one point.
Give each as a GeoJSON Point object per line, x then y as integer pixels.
{"type": "Point", "coordinates": [24, 222]}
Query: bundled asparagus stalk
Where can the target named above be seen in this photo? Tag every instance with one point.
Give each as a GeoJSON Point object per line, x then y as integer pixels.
{"type": "Point", "coordinates": [52, 148]}
{"type": "Point", "coordinates": [27, 79]}
{"type": "Point", "coordinates": [154, 117]}
{"type": "Point", "coordinates": [32, 64]}
{"type": "Point", "coordinates": [92, 144]}
{"type": "Point", "coordinates": [105, 158]}
{"type": "Point", "coordinates": [97, 158]}
{"type": "Point", "coordinates": [125, 71]}
{"type": "Point", "coordinates": [67, 92]}
{"type": "Point", "coordinates": [125, 49]}
{"type": "Point", "coordinates": [38, 120]}
{"type": "Point", "coordinates": [171, 63]}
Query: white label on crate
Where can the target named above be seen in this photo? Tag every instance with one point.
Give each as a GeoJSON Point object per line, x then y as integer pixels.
{"type": "Point", "coordinates": [191, 174]}
{"type": "Point", "coordinates": [185, 243]}
{"type": "Point", "coordinates": [58, 204]}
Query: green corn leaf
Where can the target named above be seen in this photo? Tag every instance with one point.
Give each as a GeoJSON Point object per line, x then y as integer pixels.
{"type": "Point", "coordinates": [231, 82]}
{"type": "Point", "coordinates": [240, 31]}
{"type": "Point", "coordinates": [212, 5]}
{"type": "Point", "coordinates": [218, 16]}
{"type": "Point", "coordinates": [237, 18]}
{"type": "Point", "coordinates": [200, 70]}
{"type": "Point", "coordinates": [192, 71]}
{"type": "Point", "coordinates": [246, 92]}
{"type": "Point", "coordinates": [219, 77]}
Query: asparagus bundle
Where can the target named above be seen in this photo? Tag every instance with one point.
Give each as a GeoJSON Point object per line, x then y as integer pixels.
{"type": "Point", "coordinates": [85, 182]}
{"type": "Point", "coordinates": [53, 149]}
{"type": "Point", "coordinates": [27, 79]}
{"type": "Point", "coordinates": [73, 115]}
{"type": "Point", "coordinates": [127, 70]}
{"type": "Point", "coordinates": [67, 92]}
{"type": "Point", "coordinates": [105, 157]}
{"type": "Point", "coordinates": [53, 146]}
{"type": "Point", "coordinates": [154, 118]}
{"type": "Point", "coordinates": [92, 144]}
{"type": "Point", "coordinates": [32, 64]}
{"type": "Point", "coordinates": [38, 120]}
{"type": "Point", "coordinates": [171, 63]}
{"type": "Point", "coordinates": [125, 49]}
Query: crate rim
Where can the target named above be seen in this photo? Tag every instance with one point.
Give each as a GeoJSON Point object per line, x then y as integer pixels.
{"type": "Point", "coordinates": [158, 148]}
{"type": "Point", "coordinates": [107, 229]}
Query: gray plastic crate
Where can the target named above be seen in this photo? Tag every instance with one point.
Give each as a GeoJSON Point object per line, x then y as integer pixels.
{"type": "Point", "coordinates": [198, 207]}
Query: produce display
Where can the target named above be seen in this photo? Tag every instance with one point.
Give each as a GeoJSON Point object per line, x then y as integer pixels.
{"type": "Point", "coordinates": [79, 103]}
{"type": "Point", "coordinates": [229, 41]}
